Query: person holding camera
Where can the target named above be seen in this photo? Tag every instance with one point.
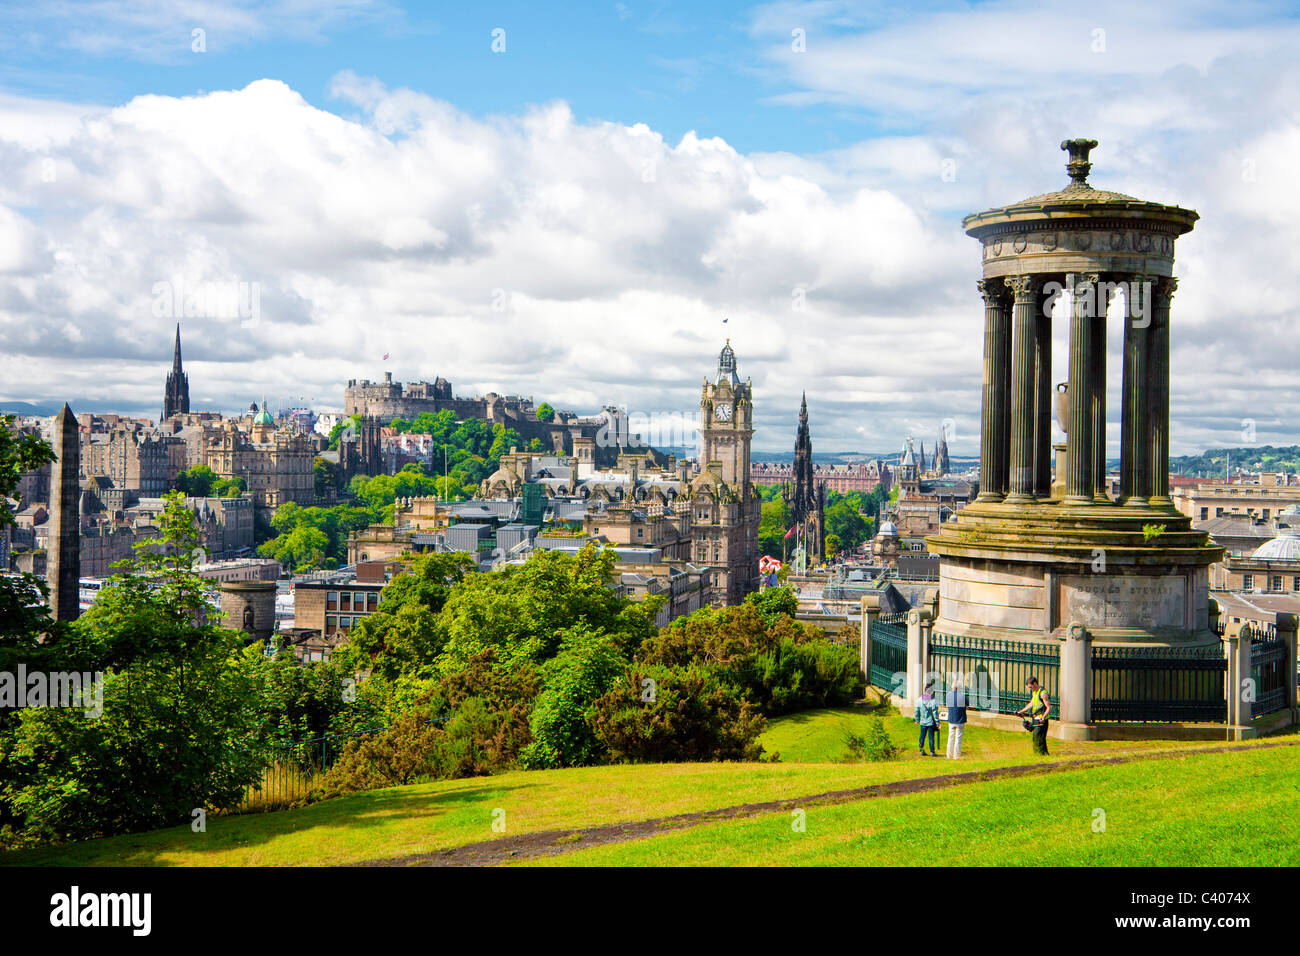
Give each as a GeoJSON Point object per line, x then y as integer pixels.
{"type": "Point", "coordinates": [1037, 710]}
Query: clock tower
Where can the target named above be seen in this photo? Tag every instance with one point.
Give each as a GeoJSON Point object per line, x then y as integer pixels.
{"type": "Point", "coordinates": [725, 505]}
{"type": "Point", "coordinates": [727, 422]}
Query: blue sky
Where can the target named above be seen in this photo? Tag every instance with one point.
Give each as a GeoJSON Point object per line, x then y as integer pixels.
{"type": "Point", "coordinates": [572, 218]}
{"type": "Point", "coordinates": [675, 67]}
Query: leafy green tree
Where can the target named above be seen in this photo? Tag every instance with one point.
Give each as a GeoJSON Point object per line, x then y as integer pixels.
{"type": "Point", "coordinates": [563, 720]}
{"type": "Point", "coordinates": [229, 487]}
{"type": "Point", "coordinates": [774, 604]}
{"type": "Point", "coordinates": [522, 612]}
{"type": "Point", "coordinates": [324, 477]}
{"type": "Point", "coordinates": [404, 636]}
{"type": "Point", "coordinates": [303, 548]}
{"type": "Point", "coordinates": [774, 521]}
{"type": "Point", "coordinates": [545, 413]}
{"type": "Point", "coordinates": [24, 613]}
{"type": "Point", "coordinates": [196, 482]}
{"type": "Point", "coordinates": [336, 433]}
{"type": "Point", "coordinates": [679, 712]}
{"type": "Point", "coordinates": [846, 524]}
{"type": "Point", "coordinates": [180, 720]}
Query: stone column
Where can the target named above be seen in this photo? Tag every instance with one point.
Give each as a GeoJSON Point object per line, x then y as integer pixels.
{"type": "Point", "coordinates": [1101, 304]}
{"type": "Point", "coordinates": [1159, 410]}
{"type": "Point", "coordinates": [1075, 684]}
{"type": "Point", "coordinates": [63, 557]}
{"type": "Point", "coordinates": [1135, 434]}
{"type": "Point", "coordinates": [1023, 393]}
{"type": "Point", "coordinates": [1043, 395]}
{"type": "Point", "coordinates": [1078, 466]}
{"type": "Point", "coordinates": [993, 425]}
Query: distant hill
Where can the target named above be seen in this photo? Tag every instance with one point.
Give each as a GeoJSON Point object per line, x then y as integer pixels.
{"type": "Point", "coordinates": [1214, 462]}
{"type": "Point", "coordinates": [38, 410]}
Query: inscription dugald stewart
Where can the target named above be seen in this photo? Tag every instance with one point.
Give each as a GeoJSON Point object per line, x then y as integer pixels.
{"type": "Point", "coordinates": [1102, 600]}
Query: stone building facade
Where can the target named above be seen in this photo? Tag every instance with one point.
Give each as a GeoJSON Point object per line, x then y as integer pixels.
{"type": "Point", "coordinates": [858, 476]}
{"type": "Point", "coordinates": [275, 463]}
{"type": "Point", "coordinates": [134, 458]}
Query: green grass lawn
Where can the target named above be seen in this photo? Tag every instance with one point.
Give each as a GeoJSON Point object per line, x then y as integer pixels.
{"type": "Point", "coordinates": [1238, 809]}
{"type": "Point", "coordinates": [422, 818]}
{"type": "Point", "coordinates": [819, 736]}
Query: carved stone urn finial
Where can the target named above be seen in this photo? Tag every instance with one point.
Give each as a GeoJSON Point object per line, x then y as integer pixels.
{"type": "Point", "coordinates": [1078, 166]}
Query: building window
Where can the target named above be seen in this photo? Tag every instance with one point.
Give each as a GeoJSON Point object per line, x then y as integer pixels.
{"type": "Point", "coordinates": [1275, 583]}
{"type": "Point", "coordinates": [1248, 581]}
{"type": "Point", "coordinates": [1295, 584]}
{"type": "Point", "coordinates": [1205, 513]}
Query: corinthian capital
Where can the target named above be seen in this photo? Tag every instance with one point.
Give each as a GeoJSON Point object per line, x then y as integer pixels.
{"type": "Point", "coordinates": [992, 290]}
{"type": "Point", "coordinates": [1024, 288]}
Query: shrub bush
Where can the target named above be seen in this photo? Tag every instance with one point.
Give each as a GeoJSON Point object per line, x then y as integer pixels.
{"type": "Point", "coordinates": [874, 744]}
{"type": "Point", "coordinates": [678, 713]}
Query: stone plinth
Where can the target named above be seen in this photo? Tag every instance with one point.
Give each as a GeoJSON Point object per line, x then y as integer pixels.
{"type": "Point", "coordinates": [1025, 572]}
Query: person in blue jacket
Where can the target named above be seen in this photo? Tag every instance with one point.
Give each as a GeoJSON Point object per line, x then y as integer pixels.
{"type": "Point", "coordinates": [956, 718]}
{"type": "Point", "coordinates": [927, 715]}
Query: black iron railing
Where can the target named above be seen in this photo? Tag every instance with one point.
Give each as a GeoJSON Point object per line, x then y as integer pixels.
{"type": "Point", "coordinates": [1160, 684]}
{"type": "Point", "coordinates": [1269, 673]}
{"type": "Point", "coordinates": [888, 653]}
{"type": "Point", "coordinates": [994, 672]}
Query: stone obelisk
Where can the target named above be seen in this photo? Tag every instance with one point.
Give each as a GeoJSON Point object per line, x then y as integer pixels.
{"type": "Point", "coordinates": [63, 560]}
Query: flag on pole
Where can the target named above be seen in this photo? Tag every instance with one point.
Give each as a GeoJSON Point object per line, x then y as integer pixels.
{"type": "Point", "coordinates": [385, 357]}
{"type": "Point", "coordinates": [790, 532]}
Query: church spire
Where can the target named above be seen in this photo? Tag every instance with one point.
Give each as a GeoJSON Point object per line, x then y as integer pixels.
{"type": "Point", "coordinates": [176, 394]}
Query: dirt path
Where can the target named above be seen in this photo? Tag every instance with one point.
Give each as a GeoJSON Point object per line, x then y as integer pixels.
{"type": "Point", "coordinates": [525, 846]}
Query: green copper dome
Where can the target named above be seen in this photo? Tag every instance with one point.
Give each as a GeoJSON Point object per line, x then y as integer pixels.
{"type": "Point", "coordinates": [263, 417]}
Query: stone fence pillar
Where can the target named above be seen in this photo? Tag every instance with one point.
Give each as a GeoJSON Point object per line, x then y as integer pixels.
{"type": "Point", "coordinates": [1075, 685]}
{"type": "Point", "coordinates": [870, 614]}
{"type": "Point", "coordinates": [919, 623]}
{"type": "Point", "coordinates": [1239, 701]}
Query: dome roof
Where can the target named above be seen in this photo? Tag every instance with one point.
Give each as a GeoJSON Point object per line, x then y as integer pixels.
{"type": "Point", "coordinates": [1285, 547]}
{"type": "Point", "coordinates": [263, 417]}
{"type": "Point", "coordinates": [889, 529]}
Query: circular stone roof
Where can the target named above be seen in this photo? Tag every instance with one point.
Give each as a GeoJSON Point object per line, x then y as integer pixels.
{"type": "Point", "coordinates": [1285, 547]}
{"type": "Point", "coordinates": [889, 529]}
{"type": "Point", "coordinates": [1080, 199]}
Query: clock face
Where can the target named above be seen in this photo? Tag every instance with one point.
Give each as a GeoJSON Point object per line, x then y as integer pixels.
{"type": "Point", "coordinates": [723, 413]}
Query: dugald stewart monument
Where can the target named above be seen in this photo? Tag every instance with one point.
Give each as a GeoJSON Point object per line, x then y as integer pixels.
{"type": "Point", "coordinates": [1052, 558]}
